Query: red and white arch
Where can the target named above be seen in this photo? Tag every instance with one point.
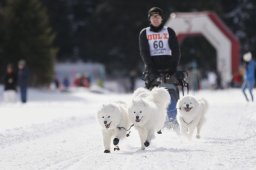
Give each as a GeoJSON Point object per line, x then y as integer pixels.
{"type": "Point", "coordinates": [216, 32]}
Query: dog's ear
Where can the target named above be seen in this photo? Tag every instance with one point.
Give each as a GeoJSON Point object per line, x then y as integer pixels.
{"type": "Point", "coordinates": [144, 102]}
{"type": "Point", "coordinates": [178, 102]}
{"type": "Point", "coordinates": [195, 101]}
{"type": "Point", "coordinates": [133, 101]}
{"type": "Point", "coordinates": [103, 106]}
{"type": "Point", "coordinates": [113, 107]}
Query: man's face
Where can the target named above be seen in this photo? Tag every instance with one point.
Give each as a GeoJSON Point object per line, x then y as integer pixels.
{"type": "Point", "coordinates": [21, 66]}
{"type": "Point", "coordinates": [9, 70]}
{"type": "Point", "coordinates": [155, 20]}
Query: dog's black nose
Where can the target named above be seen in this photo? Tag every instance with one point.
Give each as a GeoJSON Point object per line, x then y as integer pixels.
{"type": "Point", "coordinates": [105, 122]}
{"type": "Point", "coordinates": [137, 117]}
{"type": "Point", "coordinates": [187, 105]}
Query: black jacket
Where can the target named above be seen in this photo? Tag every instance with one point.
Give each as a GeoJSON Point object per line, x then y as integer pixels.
{"type": "Point", "coordinates": [161, 62]}
{"type": "Point", "coordinates": [10, 81]}
{"type": "Point", "coordinates": [23, 75]}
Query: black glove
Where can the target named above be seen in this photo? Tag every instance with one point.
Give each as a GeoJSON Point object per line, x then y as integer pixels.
{"type": "Point", "coordinates": [150, 79]}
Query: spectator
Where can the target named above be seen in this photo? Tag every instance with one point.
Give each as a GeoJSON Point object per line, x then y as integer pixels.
{"type": "Point", "coordinates": [10, 84]}
{"type": "Point", "coordinates": [84, 81]}
{"type": "Point", "coordinates": [132, 76]}
{"type": "Point", "coordinates": [237, 79]}
{"type": "Point", "coordinates": [249, 75]}
{"type": "Point", "coordinates": [66, 84]}
{"type": "Point", "coordinates": [56, 83]}
{"type": "Point", "coordinates": [23, 80]}
{"type": "Point", "coordinates": [212, 79]}
{"type": "Point", "coordinates": [218, 80]}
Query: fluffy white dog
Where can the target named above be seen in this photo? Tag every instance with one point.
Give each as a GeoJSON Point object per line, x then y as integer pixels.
{"type": "Point", "coordinates": [148, 111]}
{"type": "Point", "coordinates": [191, 115]}
{"type": "Point", "coordinates": [113, 118]}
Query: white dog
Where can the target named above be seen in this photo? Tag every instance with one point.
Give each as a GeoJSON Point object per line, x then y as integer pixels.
{"type": "Point", "coordinates": [191, 115]}
{"type": "Point", "coordinates": [148, 111]}
{"type": "Point", "coordinates": [113, 118]}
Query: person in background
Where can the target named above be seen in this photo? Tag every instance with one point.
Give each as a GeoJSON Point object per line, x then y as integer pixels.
{"type": "Point", "coordinates": [237, 79]}
{"type": "Point", "coordinates": [194, 77]}
{"type": "Point", "coordinates": [132, 77]}
{"type": "Point", "coordinates": [23, 80]}
{"type": "Point", "coordinates": [10, 84]}
{"type": "Point", "coordinates": [66, 84]}
{"type": "Point", "coordinates": [218, 81]}
{"type": "Point", "coordinates": [56, 83]}
{"type": "Point", "coordinates": [212, 79]}
{"type": "Point", "coordinates": [77, 80]}
{"type": "Point", "coordinates": [249, 75]}
{"type": "Point", "coordinates": [85, 81]}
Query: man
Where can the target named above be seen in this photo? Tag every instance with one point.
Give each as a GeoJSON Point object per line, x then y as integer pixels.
{"type": "Point", "coordinates": [249, 75]}
{"type": "Point", "coordinates": [23, 80]}
{"type": "Point", "coordinates": [159, 50]}
{"type": "Point", "coordinates": [10, 85]}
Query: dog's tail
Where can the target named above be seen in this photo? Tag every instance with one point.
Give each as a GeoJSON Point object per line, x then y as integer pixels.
{"type": "Point", "coordinates": [161, 96]}
{"type": "Point", "coordinates": [205, 103]}
{"type": "Point", "coordinates": [141, 92]}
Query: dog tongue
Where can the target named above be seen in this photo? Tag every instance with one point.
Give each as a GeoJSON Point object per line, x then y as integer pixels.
{"type": "Point", "coordinates": [107, 125]}
{"type": "Point", "coordinates": [187, 109]}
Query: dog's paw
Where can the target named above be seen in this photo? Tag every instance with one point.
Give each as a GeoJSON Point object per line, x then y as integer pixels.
{"type": "Point", "coordinates": [146, 143]}
{"type": "Point", "coordinates": [115, 141]}
{"type": "Point", "coordinates": [107, 151]}
{"type": "Point", "coordinates": [116, 148]}
{"type": "Point", "coordinates": [159, 132]}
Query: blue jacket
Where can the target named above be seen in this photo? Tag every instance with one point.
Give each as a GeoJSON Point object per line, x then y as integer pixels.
{"type": "Point", "coordinates": [249, 72]}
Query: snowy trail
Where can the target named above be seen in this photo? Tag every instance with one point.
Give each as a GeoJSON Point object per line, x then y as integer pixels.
{"type": "Point", "coordinates": [62, 134]}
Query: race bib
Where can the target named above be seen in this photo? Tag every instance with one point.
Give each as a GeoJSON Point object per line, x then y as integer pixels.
{"type": "Point", "coordinates": [158, 42]}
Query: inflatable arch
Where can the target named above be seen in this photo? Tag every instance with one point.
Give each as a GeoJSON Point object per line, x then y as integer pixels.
{"type": "Point", "coordinates": [216, 32]}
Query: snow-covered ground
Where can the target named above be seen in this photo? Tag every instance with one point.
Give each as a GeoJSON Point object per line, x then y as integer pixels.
{"type": "Point", "coordinates": [58, 131]}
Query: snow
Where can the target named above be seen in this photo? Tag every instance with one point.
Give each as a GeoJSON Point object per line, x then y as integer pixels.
{"type": "Point", "coordinates": [59, 131]}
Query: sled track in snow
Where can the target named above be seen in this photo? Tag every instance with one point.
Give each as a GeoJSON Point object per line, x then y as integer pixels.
{"type": "Point", "coordinates": [70, 161]}
{"type": "Point", "coordinates": [21, 134]}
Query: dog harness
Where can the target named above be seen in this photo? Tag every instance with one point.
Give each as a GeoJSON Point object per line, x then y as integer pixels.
{"type": "Point", "coordinates": [128, 134]}
{"type": "Point", "coordinates": [186, 122]}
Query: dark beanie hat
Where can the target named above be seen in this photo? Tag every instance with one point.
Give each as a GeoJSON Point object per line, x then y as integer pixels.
{"type": "Point", "coordinates": [155, 10]}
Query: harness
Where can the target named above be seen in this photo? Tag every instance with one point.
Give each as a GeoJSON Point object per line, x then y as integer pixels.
{"type": "Point", "coordinates": [128, 134]}
{"type": "Point", "coordinates": [164, 78]}
{"type": "Point", "coordinates": [186, 122]}
{"type": "Point", "coordinates": [172, 81]}
{"type": "Point", "coordinates": [181, 77]}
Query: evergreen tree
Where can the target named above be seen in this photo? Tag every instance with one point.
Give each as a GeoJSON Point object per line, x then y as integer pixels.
{"type": "Point", "coordinates": [29, 36]}
{"type": "Point", "coordinates": [69, 19]}
{"type": "Point", "coordinates": [60, 16]}
{"type": "Point", "coordinates": [240, 17]}
{"type": "Point", "coordinates": [1, 43]}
